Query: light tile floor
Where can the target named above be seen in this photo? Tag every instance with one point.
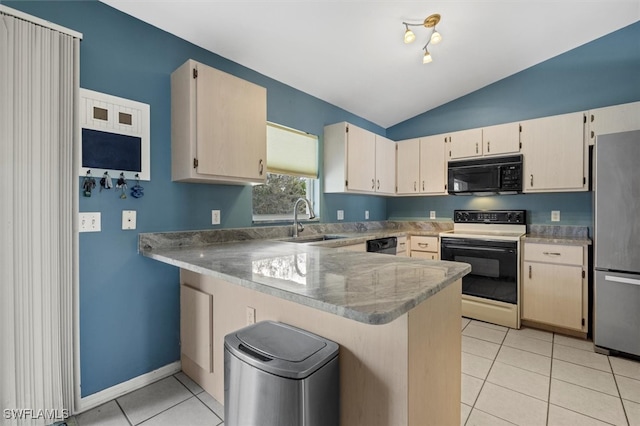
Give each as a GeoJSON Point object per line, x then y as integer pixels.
{"type": "Point", "coordinates": [175, 400]}
{"type": "Point", "coordinates": [533, 377]}
{"type": "Point", "coordinates": [521, 377]}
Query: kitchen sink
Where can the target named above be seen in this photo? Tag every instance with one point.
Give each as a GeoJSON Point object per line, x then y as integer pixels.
{"type": "Point", "coordinates": [314, 238]}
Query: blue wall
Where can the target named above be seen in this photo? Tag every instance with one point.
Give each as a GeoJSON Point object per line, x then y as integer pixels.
{"type": "Point", "coordinates": [129, 305]}
{"type": "Point", "coordinates": [603, 72]}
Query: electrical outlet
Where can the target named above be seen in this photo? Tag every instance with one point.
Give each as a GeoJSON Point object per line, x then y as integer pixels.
{"type": "Point", "coordinates": [432, 214]}
{"type": "Point", "coordinates": [89, 222]}
{"type": "Point", "coordinates": [128, 219]}
{"type": "Point", "coordinates": [555, 215]}
{"type": "Point", "coordinates": [366, 214]}
{"type": "Point", "coordinates": [340, 214]}
{"type": "Point", "coordinates": [215, 217]}
{"type": "Point", "coordinates": [251, 315]}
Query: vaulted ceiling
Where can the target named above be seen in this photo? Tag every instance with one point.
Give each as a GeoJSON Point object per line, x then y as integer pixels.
{"type": "Point", "coordinates": [351, 52]}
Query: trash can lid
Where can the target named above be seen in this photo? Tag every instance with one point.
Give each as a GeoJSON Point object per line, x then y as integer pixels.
{"type": "Point", "coordinates": [280, 341]}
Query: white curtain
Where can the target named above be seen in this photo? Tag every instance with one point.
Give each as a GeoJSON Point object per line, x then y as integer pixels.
{"type": "Point", "coordinates": [39, 80]}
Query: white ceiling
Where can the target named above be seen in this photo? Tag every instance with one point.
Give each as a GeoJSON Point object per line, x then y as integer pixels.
{"type": "Point", "coordinates": [350, 53]}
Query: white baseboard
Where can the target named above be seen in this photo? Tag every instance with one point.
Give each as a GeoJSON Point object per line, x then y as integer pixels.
{"type": "Point", "coordinates": [99, 398]}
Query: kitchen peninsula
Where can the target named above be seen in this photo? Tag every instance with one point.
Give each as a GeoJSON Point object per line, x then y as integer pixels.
{"type": "Point", "coordinates": [397, 319]}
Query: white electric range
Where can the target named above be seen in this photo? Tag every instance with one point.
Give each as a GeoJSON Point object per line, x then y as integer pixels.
{"type": "Point", "coordinates": [488, 240]}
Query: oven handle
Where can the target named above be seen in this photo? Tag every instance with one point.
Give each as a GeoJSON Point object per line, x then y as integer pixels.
{"type": "Point", "coordinates": [503, 250]}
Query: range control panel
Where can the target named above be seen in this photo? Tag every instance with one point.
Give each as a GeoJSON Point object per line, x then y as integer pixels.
{"type": "Point", "coordinates": [509, 217]}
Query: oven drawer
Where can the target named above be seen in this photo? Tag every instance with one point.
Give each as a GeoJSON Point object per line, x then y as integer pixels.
{"type": "Point", "coordinates": [424, 243]}
{"type": "Point", "coordinates": [553, 253]}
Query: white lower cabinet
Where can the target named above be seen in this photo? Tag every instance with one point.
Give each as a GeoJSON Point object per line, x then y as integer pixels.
{"type": "Point", "coordinates": [554, 285]}
{"type": "Point", "coordinates": [402, 248]}
{"type": "Point", "coordinates": [196, 327]}
{"type": "Point", "coordinates": [425, 247]}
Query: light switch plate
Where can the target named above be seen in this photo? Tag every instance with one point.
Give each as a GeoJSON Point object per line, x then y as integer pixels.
{"type": "Point", "coordinates": [340, 214]}
{"type": "Point", "coordinates": [128, 219]}
{"type": "Point", "coordinates": [89, 222]}
{"type": "Point", "coordinates": [432, 214]}
{"type": "Point", "coordinates": [555, 215]}
{"type": "Point", "coordinates": [215, 217]}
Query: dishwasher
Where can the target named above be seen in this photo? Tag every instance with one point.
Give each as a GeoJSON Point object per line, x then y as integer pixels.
{"type": "Point", "coordinates": [387, 245]}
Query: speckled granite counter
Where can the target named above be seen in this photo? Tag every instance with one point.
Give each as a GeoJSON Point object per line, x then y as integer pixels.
{"type": "Point", "coordinates": [555, 234]}
{"type": "Point", "coordinates": [366, 287]}
{"type": "Point", "coordinates": [396, 319]}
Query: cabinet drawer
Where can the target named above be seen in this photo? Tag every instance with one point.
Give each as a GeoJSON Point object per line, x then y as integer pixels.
{"type": "Point", "coordinates": [422, 243]}
{"type": "Point", "coordinates": [402, 246]}
{"type": "Point", "coordinates": [424, 255]}
{"type": "Point", "coordinates": [553, 253]}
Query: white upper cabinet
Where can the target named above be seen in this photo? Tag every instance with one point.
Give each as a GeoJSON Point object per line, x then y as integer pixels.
{"type": "Point", "coordinates": [218, 127]}
{"type": "Point", "coordinates": [613, 119]}
{"type": "Point", "coordinates": [361, 159]}
{"type": "Point", "coordinates": [352, 162]}
{"type": "Point", "coordinates": [422, 166]}
{"type": "Point", "coordinates": [433, 165]}
{"type": "Point", "coordinates": [554, 154]}
{"type": "Point", "coordinates": [487, 141]}
{"type": "Point", "coordinates": [408, 166]}
{"type": "Point", "coordinates": [501, 139]}
{"type": "Point", "coordinates": [385, 166]}
{"type": "Point", "coordinates": [465, 144]}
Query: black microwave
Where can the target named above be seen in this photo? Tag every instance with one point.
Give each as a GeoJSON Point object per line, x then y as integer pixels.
{"type": "Point", "coordinates": [496, 175]}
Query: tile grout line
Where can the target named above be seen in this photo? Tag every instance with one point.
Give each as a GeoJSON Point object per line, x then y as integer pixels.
{"type": "Point", "coordinates": [624, 409]}
{"type": "Point", "coordinates": [553, 345]}
{"type": "Point", "coordinates": [169, 408]}
{"type": "Point", "coordinates": [196, 396]}
{"type": "Point", "coordinates": [123, 412]}
{"type": "Point", "coordinates": [488, 372]}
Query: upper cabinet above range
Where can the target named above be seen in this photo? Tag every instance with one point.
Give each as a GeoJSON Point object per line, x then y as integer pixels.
{"type": "Point", "coordinates": [487, 141]}
{"type": "Point", "coordinates": [357, 160]}
{"type": "Point", "coordinates": [218, 127]}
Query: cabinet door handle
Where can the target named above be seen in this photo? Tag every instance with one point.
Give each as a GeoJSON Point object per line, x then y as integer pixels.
{"type": "Point", "coordinates": [378, 183]}
{"type": "Point", "coordinates": [593, 134]}
{"type": "Point", "coordinates": [551, 253]}
{"type": "Point", "coordinates": [476, 147]}
{"type": "Point", "coordinates": [423, 244]}
{"type": "Point", "coordinates": [488, 146]}
{"type": "Point", "coordinates": [415, 188]}
{"type": "Point", "coordinates": [531, 180]}
{"type": "Point", "coordinates": [529, 271]}
{"type": "Point", "coordinates": [373, 184]}
{"type": "Point", "coordinates": [423, 185]}
{"type": "Point", "coordinates": [260, 167]}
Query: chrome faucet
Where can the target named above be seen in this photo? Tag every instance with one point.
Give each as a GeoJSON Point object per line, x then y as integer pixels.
{"type": "Point", "coordinates": [297, 227]}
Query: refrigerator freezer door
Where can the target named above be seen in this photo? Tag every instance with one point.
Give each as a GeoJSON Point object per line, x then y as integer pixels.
{"type": "Point", "coordinates": [617, 202]}
{"type": "Point", "coordinates": [617, 311]}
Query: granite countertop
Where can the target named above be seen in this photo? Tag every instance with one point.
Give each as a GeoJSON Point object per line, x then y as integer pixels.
{"type": "Point", "coordinates": [561, 235]}
{"type": "Point", "coordinates": [366, 287]}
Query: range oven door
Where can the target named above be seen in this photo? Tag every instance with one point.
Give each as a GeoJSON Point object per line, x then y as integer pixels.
{"type": "Point", "coordinates": [494, 266]}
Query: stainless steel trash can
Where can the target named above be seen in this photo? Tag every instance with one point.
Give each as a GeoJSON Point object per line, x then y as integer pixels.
{"type": "Point", "coordinates": [276, 374]}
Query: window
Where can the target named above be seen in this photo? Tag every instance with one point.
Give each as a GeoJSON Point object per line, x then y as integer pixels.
{"type": "Point", "coordinates": [292, 173]}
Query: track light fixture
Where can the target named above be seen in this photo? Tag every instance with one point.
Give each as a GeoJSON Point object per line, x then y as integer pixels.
{"type": "Point", "coordinates": [430, 22]}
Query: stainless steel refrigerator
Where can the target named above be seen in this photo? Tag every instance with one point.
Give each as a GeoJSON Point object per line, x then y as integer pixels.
{"type": "Point", "coordinates": [617, 242]}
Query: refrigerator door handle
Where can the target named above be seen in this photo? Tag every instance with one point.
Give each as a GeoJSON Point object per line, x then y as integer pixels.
{"type": "Point", "coordinates": [621, 280]}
